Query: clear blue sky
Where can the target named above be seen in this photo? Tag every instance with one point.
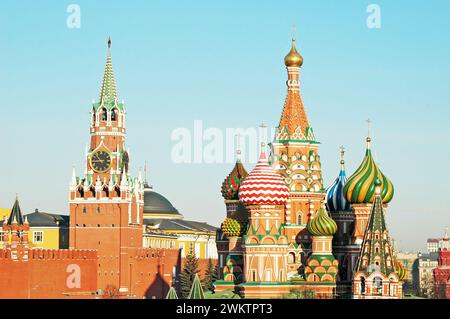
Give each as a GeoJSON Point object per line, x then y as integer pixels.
{"type": "Point", "coordinates": [222, 62]}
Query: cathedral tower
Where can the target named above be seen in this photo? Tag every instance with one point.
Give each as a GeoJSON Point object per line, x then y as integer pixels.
{"type": "Point", "coordinates": [359, 191]}
{"type": "Point", "coordinates": [106, 203]}
{"type": "Point", "coordinates": [294, 155]}
{"type": "Point", "coordinates": [321, 266]}
{"type": "Point", "coordinates": [343, 247]}
{"type": "Point", "coordinates": [265, 246]}
{"type": "Point", "coordinates": [376, 275]}
{"type": "Point", "coordinates": [229, 237]}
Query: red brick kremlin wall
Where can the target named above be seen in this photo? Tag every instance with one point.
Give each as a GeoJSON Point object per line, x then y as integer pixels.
{"type": "Point", "coordinates": [47, 273]}
{"type": "Point", "coordinates": [55, 274]}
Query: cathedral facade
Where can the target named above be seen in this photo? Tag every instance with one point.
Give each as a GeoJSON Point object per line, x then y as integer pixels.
{"type": "Point", "coordinates": [285, 234]}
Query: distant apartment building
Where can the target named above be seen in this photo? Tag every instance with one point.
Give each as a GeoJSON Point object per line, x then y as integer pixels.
{"type": "Point", "coordinates": [422, 274]}
{"type": "Point", "coordinates": [433, 244]}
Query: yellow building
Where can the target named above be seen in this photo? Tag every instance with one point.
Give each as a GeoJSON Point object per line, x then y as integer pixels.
{"type": "Point", "coordinates": [47, 231]}
{"type": "Point", "coordinates": [165, 227]}
{"type": "Point", "coordinates": [4, 212]}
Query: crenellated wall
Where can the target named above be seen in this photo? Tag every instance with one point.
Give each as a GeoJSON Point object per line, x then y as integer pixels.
{"type": "Point", "coordinates": [47, 273]}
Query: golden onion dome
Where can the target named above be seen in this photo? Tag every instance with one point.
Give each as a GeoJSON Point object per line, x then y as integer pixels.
{"type": "Point", "coordinates": [360, 187]}
{"type": "Point", "coordinates": [322, 224]}
{"type": "Point", "coordinates": [401, 270]}
{"type": "Point", "coordinates": [293, 58]}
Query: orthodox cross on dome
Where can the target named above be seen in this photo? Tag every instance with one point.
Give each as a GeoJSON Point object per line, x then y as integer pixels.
{"type": "Point", "coordinates": [263, 136]}
{"type": "Point", "coordinates": [342, 148]}
{"type": "Point", "coordinates": [368, 139]}
{"type": "Point", "coordinates": [238, 146]}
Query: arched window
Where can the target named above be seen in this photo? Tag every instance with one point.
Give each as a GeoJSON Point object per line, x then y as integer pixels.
{"type": "Point", "coordinates": [363, 285]}
{"type": "Point", "coordinates": [299, 218]}
{"type": "Point", "coordinates": [291, 258]}
{"type": "Point", "coordinates": [378, 284]}
{"type": "Point", "coordinates": [114, 115]}
{"type": "Point", "coordinates": [104, 114]}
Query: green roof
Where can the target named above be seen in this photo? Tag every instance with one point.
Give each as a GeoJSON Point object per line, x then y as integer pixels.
{"type": "Point", "coordinates": [108, 93]}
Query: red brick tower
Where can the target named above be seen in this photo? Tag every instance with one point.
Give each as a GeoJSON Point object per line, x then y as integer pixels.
{"type": "Point", "coordinates": [442, 272]}
{"type": "Point", "coordinates": [106, 204]}
{"type": "Point", "coordinates": [15, 229]}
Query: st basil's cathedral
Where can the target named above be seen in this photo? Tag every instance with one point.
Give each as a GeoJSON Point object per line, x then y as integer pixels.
{"type": "Point", "coordinates": [285, 233]}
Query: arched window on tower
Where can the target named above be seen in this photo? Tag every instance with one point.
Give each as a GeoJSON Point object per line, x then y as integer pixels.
{"type": "Point", "coordinates": [378, 285]}
{"type": "Point", "coordinates": [363, 285]}
{"type": "Point", "coordinates": [291, 258]}
{"type": "Point", "coordinates": [299, 218]}
{"type": "Point", "coordinates": [104, 114]}
{"type": "Point", "coordinates": [114, 115]}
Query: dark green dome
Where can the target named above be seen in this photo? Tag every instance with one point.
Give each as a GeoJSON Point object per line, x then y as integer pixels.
{"type": "Point", "coordinates": [155, 203]}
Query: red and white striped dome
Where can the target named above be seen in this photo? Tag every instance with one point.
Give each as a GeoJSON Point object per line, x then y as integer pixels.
{"type": "Point", "coordinates": [263, 185]}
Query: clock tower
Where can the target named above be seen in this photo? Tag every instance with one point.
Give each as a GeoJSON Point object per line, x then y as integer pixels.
{"type": "Point", "coordinates": [106, 203]}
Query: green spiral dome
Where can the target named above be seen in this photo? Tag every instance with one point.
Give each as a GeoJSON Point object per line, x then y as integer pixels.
{"type": "Point", "coordinates": [231, 227]}
{"type": "Point", "coordinates": [231, 184]}
{"type": "Point", "coordinates": [322, 224]}
{"type": "Point", "coordinates": [360, 187]}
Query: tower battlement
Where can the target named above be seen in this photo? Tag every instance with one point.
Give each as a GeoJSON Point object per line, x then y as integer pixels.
{"type": "Point", "coordinates": [53, 254]}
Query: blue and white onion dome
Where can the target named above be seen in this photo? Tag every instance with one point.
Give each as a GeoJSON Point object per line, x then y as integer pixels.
{"type": "Point", "coordinates": [336, 200]}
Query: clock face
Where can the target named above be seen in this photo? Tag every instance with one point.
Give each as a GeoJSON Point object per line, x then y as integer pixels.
{"type": "Point", "coordinates": [101, 161]}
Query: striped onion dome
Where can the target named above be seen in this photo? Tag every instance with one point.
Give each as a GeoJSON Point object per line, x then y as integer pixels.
{"type": "Point", "coordinates": [321, 224]}
{"type": "Point", "coordinates": [360, 187]}
{"type": "Point", "coordinates": [231, 184]}
{"type": "Point", "coordinates": [336, 200]}
{"type": "Point", "coordinates": [263, 185]}
{"type": "Point", "coordinates": [401, 270]}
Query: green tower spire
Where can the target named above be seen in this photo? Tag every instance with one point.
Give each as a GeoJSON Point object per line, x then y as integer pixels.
{"type": "Point", "coordinates": [172, 294]}
{"type": "Point", "coordinates": [196, 289]}
{"type": "Point", "coordinates": [108, 92]}
{"type": "Point", "coordinates": [376, 250]}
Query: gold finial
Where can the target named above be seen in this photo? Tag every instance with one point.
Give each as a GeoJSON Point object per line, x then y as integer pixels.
{"type": "Point", "coordinates": [109, 42]}
{"type": "Point", "coordinates": [293, 58]}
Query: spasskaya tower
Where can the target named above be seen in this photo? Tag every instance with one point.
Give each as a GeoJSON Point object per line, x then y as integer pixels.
{"type": "Point", "coordinates": [106, 203]}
